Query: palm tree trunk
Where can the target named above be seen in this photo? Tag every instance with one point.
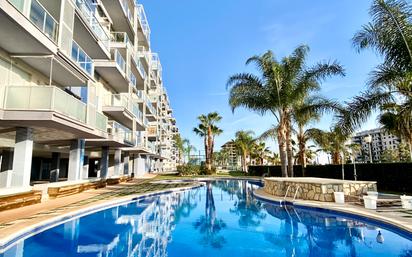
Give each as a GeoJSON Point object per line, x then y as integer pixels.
{"type": "Point", "coordinates": [302, 149]}
{"type": "Point", "coordinates": [282, 149]}
{"type": "Point", "coordinates": [289, 147]}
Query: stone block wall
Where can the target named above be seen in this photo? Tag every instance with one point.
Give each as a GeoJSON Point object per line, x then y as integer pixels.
{"type": "Point", "coordinates": [316, 191]}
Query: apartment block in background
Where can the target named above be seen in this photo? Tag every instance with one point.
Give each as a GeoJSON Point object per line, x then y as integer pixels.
{"type": "Point", "coordinates": [381, 141]}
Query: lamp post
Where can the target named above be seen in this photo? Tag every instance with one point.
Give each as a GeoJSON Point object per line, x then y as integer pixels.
{"type": "Point", "coordinates": [368, 140]}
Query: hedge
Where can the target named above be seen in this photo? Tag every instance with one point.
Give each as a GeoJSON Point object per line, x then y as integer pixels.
{"type": "Point", "coordinates": [396, 177]}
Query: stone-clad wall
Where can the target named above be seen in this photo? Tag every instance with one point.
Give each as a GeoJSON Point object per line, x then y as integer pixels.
{"type": "Point", "coordinates": [317, 191]}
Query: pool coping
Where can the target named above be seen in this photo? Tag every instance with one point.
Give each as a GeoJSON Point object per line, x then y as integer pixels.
{"type": "Point", "coordinates": [344, 210]}
{"type": "Point", "coordinates": [15, 237]}
{"type": "Point", "coordinates": [349, 211]}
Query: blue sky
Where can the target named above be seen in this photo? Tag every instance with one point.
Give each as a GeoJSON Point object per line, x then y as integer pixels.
{"type": "Point", "coordinates": [202, 42]}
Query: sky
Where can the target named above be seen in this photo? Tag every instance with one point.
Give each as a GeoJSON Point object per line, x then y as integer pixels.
{"type": "Point", "coordinates": [203, 42]}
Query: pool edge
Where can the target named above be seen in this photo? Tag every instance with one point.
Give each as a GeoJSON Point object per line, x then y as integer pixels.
{"type": "Point", "coordinates": [340, 209]}
{"type": "Point", "coordinates": [12, 239]}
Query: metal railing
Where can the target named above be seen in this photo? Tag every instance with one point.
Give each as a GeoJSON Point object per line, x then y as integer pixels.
{"type": "Point", "coordinates": [82, 59]}
{"type": "Point", "coordinates": [88, 12]}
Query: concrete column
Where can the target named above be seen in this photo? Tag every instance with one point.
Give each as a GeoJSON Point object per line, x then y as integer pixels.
{"type": "Point", "coordinates": [117, 162]}
{"type": "Point", "coordinates": [104, 162]}
{"type": "Point", "coordinates": [126, 163]}
{"type": "Point", "coordinates": [6, 170]}
{"type": "Point", "coordinates": [23, 152]}
{"type": "Point", "coordinates": [76, 160]}
{"type": "Point", "coordinates": [136, 165]}
{"type": "Point", "coordinates": [55, 167]}
{"type": "Point", "coordinates": [85, 172]}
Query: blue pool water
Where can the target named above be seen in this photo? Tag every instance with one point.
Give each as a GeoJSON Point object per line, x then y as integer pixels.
{"type": "Point", "coordinates": [219, 219]}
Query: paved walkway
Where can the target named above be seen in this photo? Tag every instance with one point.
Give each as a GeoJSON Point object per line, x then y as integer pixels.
{"type": "Point", "coordinates": [14, 220]}
{"type": "Point", "coordinates": [399, 217]}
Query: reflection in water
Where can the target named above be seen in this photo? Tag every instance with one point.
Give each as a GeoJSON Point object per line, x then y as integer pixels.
{"type": "Point", "coordinates": [209, 225]}
{"type": "Point", "coordinates": [220, 219]}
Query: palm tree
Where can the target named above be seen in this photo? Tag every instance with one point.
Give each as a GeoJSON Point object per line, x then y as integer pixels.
{"type": "Point", "coordinates": [208, 130]}
{"type": "Point", "coordinates": [279, 87]}
{"type": "Point", "coordinates": [188, 148]}
{"type": "Point", "coordinates": [244, 143]}
{"type": "Point", "coordinates": [332, 142]}
{"type": "Point", "coordinates": [180, 145]}
{"type": "Point", "coordinates": [389, 87]}
{"type": "Point", "coordinates": [302, 117]}
{"type": "Point", "coordinates": [259, 152]}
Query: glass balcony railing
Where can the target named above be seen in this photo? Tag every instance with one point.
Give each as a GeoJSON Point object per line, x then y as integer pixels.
{"type": "Point", "coordinates": [139, 66]}
{"type": "Point", "coordinates": [146, 122]}
{"type": "Point", "coordinates": [127, 11]}
{"type": "Point", "coordinates": [136, 111]}
{"type": "Point", "coordinates": [47, 98]}
{"type": "Point", "coordinates": [119, 37]}
{"type": "Point", "coordinates": [117, 100]}
{"type": "Point", "coordinates": [120, 61]}
{"type": "Point", "coordinates": [132, 79]}
{"type": "Point", "coordinates": [139, 94]}
{"type": "Point", "coordinates": [118, 130]}
{"type": "Point", "coordinates": [101, 122]}
{"type": "Point", "coordinates": [88, 12]}
{"type": "Point", "coordinates": [143, 21]}
{"type": "Point", "coordinates": [40, 17]}
{"type": "Point", "coordinates": [82, 59]}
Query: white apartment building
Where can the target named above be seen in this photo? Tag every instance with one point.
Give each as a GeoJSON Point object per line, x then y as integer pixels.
{"type": "Point", "coordinates": [381, 141]}
{"type": "Point", "coordinates": [81, 93]}
{"type": "Point", "coordinates": [234, 160]}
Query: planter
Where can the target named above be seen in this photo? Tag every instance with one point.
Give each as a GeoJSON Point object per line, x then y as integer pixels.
{"type": "Point", "coordinates": [406, 202]}
{"type": "Point", "coordinates": [370, 202]}
{"type": "Point", "coordinates": [339, 197]}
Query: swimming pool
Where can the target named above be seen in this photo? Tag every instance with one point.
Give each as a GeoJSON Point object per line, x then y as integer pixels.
{"type": "Point", "coordinates": [220, 219]}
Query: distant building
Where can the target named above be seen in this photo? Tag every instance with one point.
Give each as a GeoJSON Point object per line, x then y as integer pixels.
{"type": "Point", "coordinates": [233, 161]}
{"type": "Point", "coordinates": [381, 141]}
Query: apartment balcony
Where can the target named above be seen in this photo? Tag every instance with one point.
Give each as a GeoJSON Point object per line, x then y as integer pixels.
{"type": "Point", "coordinates": [141, 145]}
{"type": "Point", "coordinates": [29, 32]}
{"type": "Point", "coordinates": [118, 136]}
{"type": "Point", "coordinates": [36, 16]}
{"type": "Point", "coordinates": [143, 27]}
{"type": "Point", "coordinates": [89, 32]}
{"type": "Point", "coordinates": [121, 13]}
{"type": "Point", "coordinates": [114, 71]}
{"type": "Point", "coordinates": [153, 132]}
{"type": "Point", "coordinates": [139, 69]}
{"type": "Point", "coordinates": [54, 113]}
{"type": "Point", "coordinates": [120, 108]}
{"type": "Point", "coordinates": [144, 56]}
{"type": "Point", "coordinates": [82, 59]}
{"type": "Point", "coordinates": [151, 112]}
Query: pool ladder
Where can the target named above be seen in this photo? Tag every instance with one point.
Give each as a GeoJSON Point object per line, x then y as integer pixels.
{"type": "Point", "coordinates": [294, 196]}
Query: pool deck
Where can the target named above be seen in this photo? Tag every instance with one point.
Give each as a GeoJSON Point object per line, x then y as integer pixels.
{"type": "Point", "coordinates": [398, 217]}
{"type": "Point", "coordinates": [14, 221]}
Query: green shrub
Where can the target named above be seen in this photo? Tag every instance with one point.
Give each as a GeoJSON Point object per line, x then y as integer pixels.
{"type": "Point", "coordinates": [189, 170]}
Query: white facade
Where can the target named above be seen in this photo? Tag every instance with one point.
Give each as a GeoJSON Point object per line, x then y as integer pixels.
{"type": "Point", "coordinates": [80, 93]}
{"type": "Point", "coordinates": [381, 141]}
